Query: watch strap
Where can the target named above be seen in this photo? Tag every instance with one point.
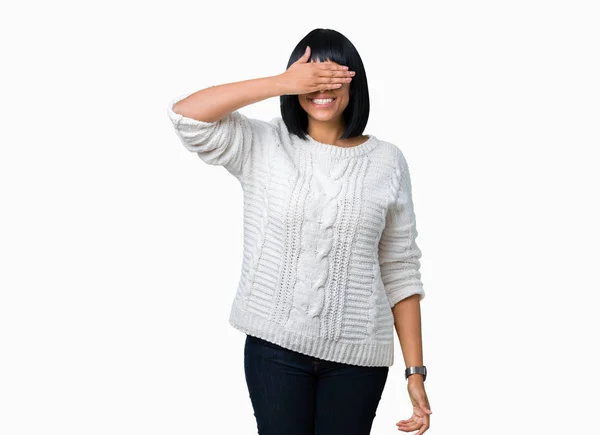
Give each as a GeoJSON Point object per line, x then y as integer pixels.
{"type": "Point", "coordinates": [415, 369]}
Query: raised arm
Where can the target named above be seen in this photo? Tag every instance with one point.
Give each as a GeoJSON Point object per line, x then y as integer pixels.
{"type": "Point", "coordinates": [209, 124]}
{"type": "Point", "coordinates": [214, 103]}
{"type": "Point", "coordinates": [208, 121]}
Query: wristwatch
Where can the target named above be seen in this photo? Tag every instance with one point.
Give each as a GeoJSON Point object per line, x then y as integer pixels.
{"type": "Point", "coordinates": [416, 369]}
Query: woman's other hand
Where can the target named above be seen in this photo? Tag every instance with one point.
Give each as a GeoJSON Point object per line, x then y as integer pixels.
{"type": "Point", "coordinates": [421, 409]}
{"type": "Point", "coordinates": [303, 77]}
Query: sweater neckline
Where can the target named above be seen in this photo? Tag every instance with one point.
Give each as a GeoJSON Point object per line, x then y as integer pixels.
{"type": "Point", "coordinates": [338, 151]}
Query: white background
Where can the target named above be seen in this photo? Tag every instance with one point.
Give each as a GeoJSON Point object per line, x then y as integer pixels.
{"type": "Point", "coordinates": [121, 251]}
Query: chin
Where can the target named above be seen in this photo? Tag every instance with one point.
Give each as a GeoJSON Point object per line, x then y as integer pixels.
{"type": "Point", "coordinates": [320, 116]}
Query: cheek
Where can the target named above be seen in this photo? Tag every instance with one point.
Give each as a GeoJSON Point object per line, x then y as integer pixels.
{"type": "Point", "coordinates": [345, 94]}
{"type": "Point", "coordinates": [344, 100]}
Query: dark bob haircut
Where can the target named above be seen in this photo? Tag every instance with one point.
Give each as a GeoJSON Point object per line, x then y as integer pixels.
{"type": "Point", "coordinates": [327, 44]}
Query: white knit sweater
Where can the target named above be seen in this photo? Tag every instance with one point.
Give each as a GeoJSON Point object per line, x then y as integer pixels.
{"type": "Point", "coordinates": [329, 236]}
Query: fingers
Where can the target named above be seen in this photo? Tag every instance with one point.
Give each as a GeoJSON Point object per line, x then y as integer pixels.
{"type": "Point", "coordinates": [336, 73]}
{"type": "Point", "coordinates": [405, 423]}
{"type": "Point", "coordinates": [304, 58]}
{"type": "Point", "coordinates": [414, 425]}
{"type": "Point", "coordinates": [335, 77]}
{"type": "Point", "coordinates": [420, 422]}
{"type": "Point", "coordinates": [327, 75]}
{"type": "Point", "coordinates": [325, 83]}
{"type": "Point", "coordinates": [329, 70]}
{"type": "Point", "coordinates": [331, 66]}
{"type": "Point", "coordinates": [332, 80]}
{"type": "Point", "coordinates": [323, 88]}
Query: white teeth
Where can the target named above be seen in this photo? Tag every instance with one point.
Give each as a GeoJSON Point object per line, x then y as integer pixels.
{"type": "Point", "coordinates": [322, 100]}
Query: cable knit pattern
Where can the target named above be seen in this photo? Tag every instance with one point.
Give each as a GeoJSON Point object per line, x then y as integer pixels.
{"type": "Point", "coordinates": [329, 236]}
{"type": "Point", "coordinates": [326, 188]}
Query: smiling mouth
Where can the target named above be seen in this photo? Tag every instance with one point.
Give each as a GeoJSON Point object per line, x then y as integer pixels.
{"type": "Point", "coordinates": [322, 102]}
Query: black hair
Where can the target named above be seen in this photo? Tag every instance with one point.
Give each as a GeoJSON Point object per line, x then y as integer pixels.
{"type": "Point", "coordinates": [328, 44]}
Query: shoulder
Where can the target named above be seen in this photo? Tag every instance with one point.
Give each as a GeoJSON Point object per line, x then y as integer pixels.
{"type": "Point", "coordinates": [283, 136]}
{"type": "Point", "coordinates": [260, 125]}
{"type": "Point", "coordinates": [399, 168]}
{"type": "Point", "coordinates": [271, 127]}
{"type": "Point", "coordinates": [392, 153]}
{"type": "Point", "coordinates": [278, 125]}
{"type": "Point", "coordinates": [266, 133]}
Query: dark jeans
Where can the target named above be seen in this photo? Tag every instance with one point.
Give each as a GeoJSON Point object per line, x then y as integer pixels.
{"type": "Point", "coordinates": [296, 394]}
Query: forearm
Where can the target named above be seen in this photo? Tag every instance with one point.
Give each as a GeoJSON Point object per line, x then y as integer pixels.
{"type": "Point", "coordinates": [215, 102]}
{"type": "Point", "coordinates": [407, 321]}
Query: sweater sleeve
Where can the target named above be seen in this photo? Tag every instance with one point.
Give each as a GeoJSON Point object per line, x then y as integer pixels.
{"type": "Point", "coordinates": [233, 141]}
{"type": "Point", "coordinates": [399, 254]}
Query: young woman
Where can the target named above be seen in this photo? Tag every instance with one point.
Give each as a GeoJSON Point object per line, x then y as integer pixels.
{"type": "Point", "coordinates": [330, 263]}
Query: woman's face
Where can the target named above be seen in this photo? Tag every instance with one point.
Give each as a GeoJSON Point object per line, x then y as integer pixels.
{"type": "Point", "coordinates": [324, 110]}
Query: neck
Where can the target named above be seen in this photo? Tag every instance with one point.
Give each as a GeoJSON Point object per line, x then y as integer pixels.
{"type": "Point", "coordinates": [326, 131]}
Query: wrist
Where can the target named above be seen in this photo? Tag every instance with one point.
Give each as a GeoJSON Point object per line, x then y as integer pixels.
{"type": "Point", "coordinates": [278, 83]}
{"type": "Point", "coordinates": [416, 377]}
